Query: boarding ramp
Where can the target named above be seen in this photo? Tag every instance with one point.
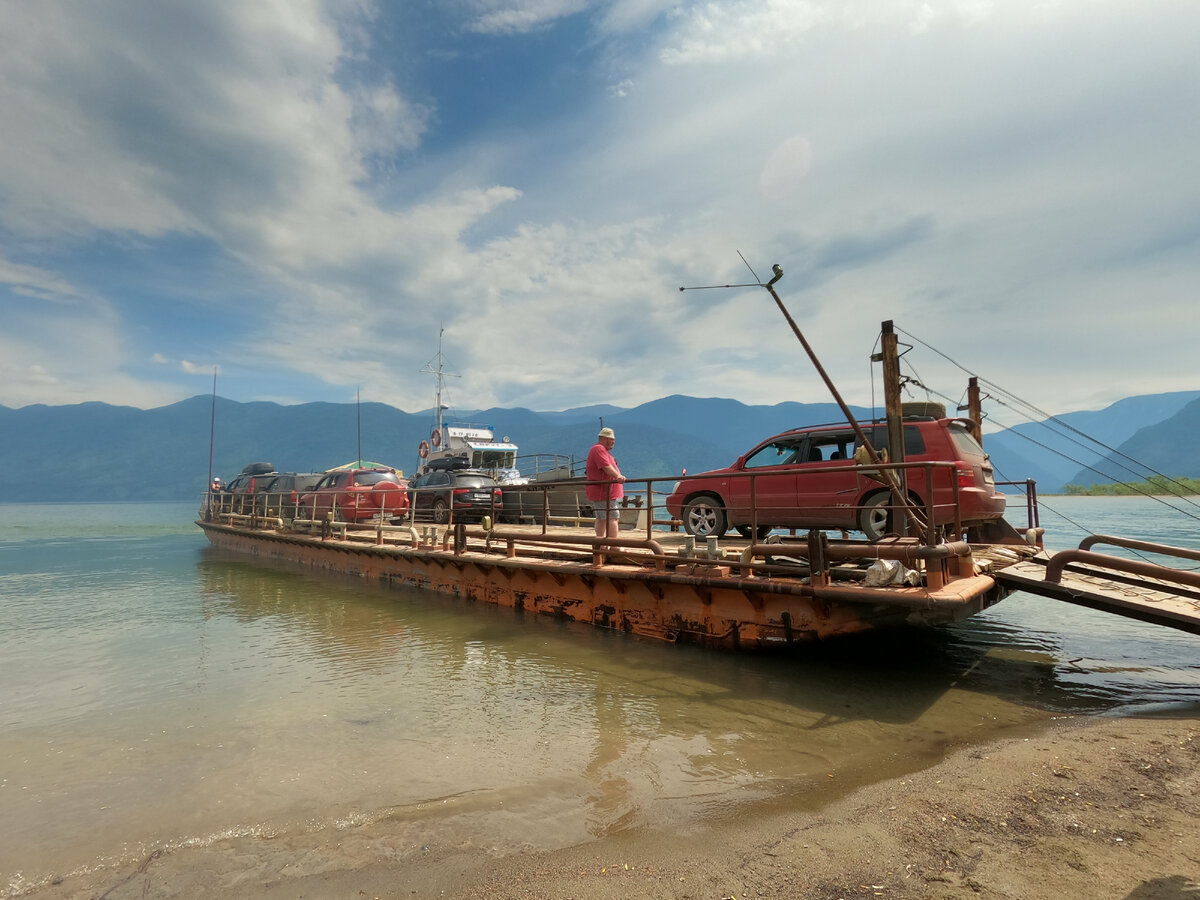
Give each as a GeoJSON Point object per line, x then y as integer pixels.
{"type": "Point", "coordinates": [1136, 588]}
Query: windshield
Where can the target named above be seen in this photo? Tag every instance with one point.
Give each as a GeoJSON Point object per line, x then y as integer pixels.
{"type": "Point", "coordinates": [494, 459]}
{"type": "Point", "coordinates": [965, 442]}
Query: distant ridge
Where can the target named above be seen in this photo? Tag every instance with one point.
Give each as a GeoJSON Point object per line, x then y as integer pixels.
{"type": "Point", "coordinates": [96, 451]}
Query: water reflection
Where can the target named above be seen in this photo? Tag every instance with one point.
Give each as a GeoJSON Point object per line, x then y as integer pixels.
{"type": "Point", "coordinates": [558, 732]}
{"type": "Point", "coordinates": [482, 699]}
{"type": "Point", "coordinates": [1026, 652]}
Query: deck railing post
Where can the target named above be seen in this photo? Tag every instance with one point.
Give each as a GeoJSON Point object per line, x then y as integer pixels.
{"type": "Point", "coordinates": [818, 567]}
{"type": "Point", "coordinates": [931, 535]}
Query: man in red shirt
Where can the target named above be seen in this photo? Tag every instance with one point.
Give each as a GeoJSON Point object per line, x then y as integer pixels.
{"type": "Point", "coordinates": [605, 483]}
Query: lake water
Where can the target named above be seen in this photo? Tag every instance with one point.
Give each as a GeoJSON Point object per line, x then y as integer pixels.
{"type": "Point", "coordinates": [155, 693]}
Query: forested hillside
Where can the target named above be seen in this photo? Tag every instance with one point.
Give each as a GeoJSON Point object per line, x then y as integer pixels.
{"type": "Point", "coordinates": [94, 451]}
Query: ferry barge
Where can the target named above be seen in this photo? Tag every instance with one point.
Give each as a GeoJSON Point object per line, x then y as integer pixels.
{"type": "Point", "coordinates": [763, 592]}
{"type": "Point", "coordinates": [658, 584]}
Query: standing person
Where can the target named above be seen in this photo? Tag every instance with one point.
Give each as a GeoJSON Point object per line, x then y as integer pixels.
{"type": "Point", "coordinates": [602, 467]}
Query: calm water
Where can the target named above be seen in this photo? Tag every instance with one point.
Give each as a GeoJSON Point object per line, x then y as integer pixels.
{"type": "Point", "coordinates": [156, 693]}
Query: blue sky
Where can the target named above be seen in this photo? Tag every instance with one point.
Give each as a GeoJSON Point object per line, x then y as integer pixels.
{"type": "Point", "coordinates": [301, 193]}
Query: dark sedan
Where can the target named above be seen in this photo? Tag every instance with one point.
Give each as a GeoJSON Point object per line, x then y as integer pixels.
{"type": "Point", "coordinates": [439, 494]}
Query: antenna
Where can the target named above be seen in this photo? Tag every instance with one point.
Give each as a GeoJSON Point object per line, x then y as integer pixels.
{"type": "Point", "coordinates": [441, 374]}
{"type": "Point", "coordinates": [758, 282]}
{"type": "Point", "coordinates": [212, 430]}
{"type": "Point", "coordinates": [889, 475]}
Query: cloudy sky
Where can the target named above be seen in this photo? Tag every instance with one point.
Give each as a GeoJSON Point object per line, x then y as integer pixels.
{"type": "Point", "coordinates": [302, 193]}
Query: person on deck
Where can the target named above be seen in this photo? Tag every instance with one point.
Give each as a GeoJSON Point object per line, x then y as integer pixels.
{"type": "Point", "coordinates": [605, 483]}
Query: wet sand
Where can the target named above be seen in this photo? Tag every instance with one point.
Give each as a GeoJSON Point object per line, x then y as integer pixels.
{"type": "Point", "coordinates": [1085, 807]}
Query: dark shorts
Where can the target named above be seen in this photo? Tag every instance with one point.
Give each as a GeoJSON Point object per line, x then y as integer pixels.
{"type": "Point", "coordinates": [605, 509]}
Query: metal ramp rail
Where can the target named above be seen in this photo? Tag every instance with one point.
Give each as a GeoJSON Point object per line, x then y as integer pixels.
{"type": "Point", "coordinates": [1160, 594]}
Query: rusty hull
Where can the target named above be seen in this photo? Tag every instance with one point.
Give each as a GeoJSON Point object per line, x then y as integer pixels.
{"type": "Point", "coordinates": [712, 606]}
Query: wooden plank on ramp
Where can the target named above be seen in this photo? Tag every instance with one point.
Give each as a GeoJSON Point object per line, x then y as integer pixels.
{"type": "Point", "coordinates": [1135, 595]}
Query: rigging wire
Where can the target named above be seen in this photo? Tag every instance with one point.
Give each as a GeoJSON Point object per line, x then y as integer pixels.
{"type": "Point", "coordinates": [917, 381]}
{"type": "Point", "coordinates": [1048, 417]}
{"type": "Point", "coordinates": [1005, 477]}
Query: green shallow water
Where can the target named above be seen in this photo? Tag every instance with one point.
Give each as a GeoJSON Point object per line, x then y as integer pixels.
{"type": "Point", "coordinates": [158, 693]}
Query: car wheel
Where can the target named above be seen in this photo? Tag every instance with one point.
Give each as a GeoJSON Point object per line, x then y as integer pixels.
{"type": "Point", "coordinates": [441, 515]}
{"type": "Point", "coordinates": [872, 518]}
{"type": "Point", "coordinates": [744, 530]}
{"type": "Point", "coordinates": [705, 517]}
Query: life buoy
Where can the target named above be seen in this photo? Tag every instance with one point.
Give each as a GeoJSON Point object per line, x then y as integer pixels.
{"type": "Point", "coordinates": [436, 438]}
{"type": "Point", "coordinates": [423, 449]}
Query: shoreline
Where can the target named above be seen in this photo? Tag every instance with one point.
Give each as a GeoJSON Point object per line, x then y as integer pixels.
{"type": "Point", "coordinates": [1078, 807]}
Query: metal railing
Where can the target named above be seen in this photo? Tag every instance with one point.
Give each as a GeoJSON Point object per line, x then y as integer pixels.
{"type": "Point", "coordinates": [643, 506]}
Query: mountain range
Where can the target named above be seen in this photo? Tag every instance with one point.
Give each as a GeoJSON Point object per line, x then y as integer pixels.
{"type": "Point", "coordinates": [99, 452]}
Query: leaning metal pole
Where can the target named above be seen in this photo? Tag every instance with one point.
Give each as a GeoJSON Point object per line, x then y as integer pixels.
{"type": "Point", "coordinates": [899, 497]}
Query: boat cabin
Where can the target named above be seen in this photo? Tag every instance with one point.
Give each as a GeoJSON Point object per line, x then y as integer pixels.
{"type": "Point", "coordinates": [476, 446]}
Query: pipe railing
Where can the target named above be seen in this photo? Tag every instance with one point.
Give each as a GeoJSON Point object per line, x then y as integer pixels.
{"type": "Point", "coordinates": [940, 562]}
{"type": "Point", "coordinates": [565, 502]}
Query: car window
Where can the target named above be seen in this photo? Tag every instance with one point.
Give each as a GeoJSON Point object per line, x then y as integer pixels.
{"type": "Point", "coordinates": [914, 441]}
{"type": "Point", "coordinates": [964, 442]}
{"type": "Point", "coordinates": [776, 453]}
{"type": "Point", "coordinates": [369, 478]}
{"type": "Point", "coordinates": [828, 448]}
{"type": "Point", "coordinates": [474, 481]}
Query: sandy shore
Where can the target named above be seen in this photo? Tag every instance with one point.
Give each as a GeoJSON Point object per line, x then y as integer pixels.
{"type": "Point", "coordinates": [1096, 808]}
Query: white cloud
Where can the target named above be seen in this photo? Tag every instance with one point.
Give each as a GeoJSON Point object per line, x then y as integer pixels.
{"type": "Point", "coordinates": [517, 16]}
{"type": "Point", "coordinates": [628, 15]}
{"type": "Point", "coordinates": [1000, 175]}
{"type": "Point", "coordinates": [37, 283]}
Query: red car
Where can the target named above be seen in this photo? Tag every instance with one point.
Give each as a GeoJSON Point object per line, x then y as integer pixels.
{"type": "Point", "coordinates": [807, 478]}
{"type": "Point", "coordinates": [356, 495]}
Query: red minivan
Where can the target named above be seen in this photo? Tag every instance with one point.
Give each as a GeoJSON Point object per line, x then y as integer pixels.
{"type": "Point", "coordinates": [807, 478]}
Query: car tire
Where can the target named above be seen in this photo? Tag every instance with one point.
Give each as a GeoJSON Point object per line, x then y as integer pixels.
{"type": "Point", "coordinates": [441, 515]}
{"type": "Point", "coordinates": [704, 516]}
{"type": "Point", "coordinates": [744, 531]}
{"type": "Point", "coordinates": [872, 518]}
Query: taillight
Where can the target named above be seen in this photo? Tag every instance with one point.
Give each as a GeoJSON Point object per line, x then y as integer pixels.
{"type": "Point", "coordinates": [966, 474]}
{"type": "Point", "coordinates": [458, 491]}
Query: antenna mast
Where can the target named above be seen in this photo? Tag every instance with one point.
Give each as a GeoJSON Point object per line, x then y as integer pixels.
{"type": "Point", "coordinates": [212, 430]}
{"type": "Point", "coordinates": [900, 498]}
{"type": "Point", "coordinates": [441, 374]}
